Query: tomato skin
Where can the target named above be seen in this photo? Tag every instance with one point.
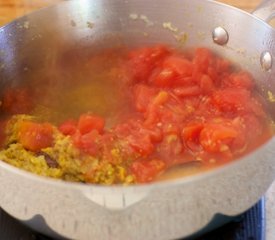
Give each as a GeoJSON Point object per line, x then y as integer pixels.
{"type": "Point", "coordinates": [89, 122]}
{"type": "Point", "coordinates": [174, 69]}
{"type": "Point", "coordinates": [160, 99]}
{"type": "Point", "coordinates": [206, 84]}
{"type": "Point", "coordinates": [181, 66]}
{"type": "Point", "coordinates": [141, 143]}
{"type": "Point", "coordinates": [152, 115]}
{"type": "Point", "coordinates": [139, 137]}
{"type": "Point", "coordinates": [143, 96]}
{"type": "Point", "coordinates": [68, 127]}
{"type": "Point", "coordinates": [143, 60]}
{"type": "Point", "coordinates": [231, 99]}
{"type": "Point", "coordinates": [205, 63]}
{"type": "Point", "coordinates": [192, 131]}
{"type": "Point", "coordinates": [215, 137]}
{"type": "Point", "coordinates": [239, 80]}
{"type": "Point", "coordinates": [35, 136]}
{"type": "Point", "coordinates": [202, 60]}
{"type": "Point", "coordinates": [190, 136]}
{"type": "Point", "coordinates": [163, 77]}
{"type": "Point", "coordinates": [187, 91]}
{"type": "Point", "coordinates": [170, 148]}
{"type": "Point", "coordinates": [147, 170]}
{"type": "Point", "coordinates": [237, 101]}
{"type": "Point", "coordinates": [85, 133]}
{"type": "Point", "coordinates": [88, 142]}
{"type": "Point", "coordinates": [170, 128]}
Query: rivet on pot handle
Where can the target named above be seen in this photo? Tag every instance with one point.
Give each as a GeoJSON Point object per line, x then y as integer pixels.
{"type": "Point", "coordinates": [266, 10]}
{"type": "Point", "coordinates": [220, 36]}
{"type": "Point", "coordinates": [266, 61]}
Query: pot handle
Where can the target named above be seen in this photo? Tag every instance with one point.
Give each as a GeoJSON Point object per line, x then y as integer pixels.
{"type": "Point", "coordinates": [266, 10]}
{"type": "Point", "coordinates": [115, 200]}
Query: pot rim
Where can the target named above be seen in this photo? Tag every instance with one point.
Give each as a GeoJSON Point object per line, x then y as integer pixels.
{"type": "Point", "coordinates": [47, 8]}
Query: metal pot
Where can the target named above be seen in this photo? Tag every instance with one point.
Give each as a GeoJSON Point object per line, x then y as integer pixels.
{"type": "Point", "coordinates": [165, 210]}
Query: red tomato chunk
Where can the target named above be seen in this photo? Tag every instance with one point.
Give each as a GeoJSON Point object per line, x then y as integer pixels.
{"type": "Point", "coordinates": [184, 110]}
{"type": "Point", "coordinates": [35, 136]}
{"type": "Point", "coordinates": [179, 108]}
{"type": "Point", "coordinates": [189, 109]}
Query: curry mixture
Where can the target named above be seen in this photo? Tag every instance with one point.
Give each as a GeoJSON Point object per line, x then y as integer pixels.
{"type": "Point", "coordinates": [132, 116]}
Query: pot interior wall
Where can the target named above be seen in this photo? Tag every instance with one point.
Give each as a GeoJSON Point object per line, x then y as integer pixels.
{"type": "Point", "coordinates": [32, 45]}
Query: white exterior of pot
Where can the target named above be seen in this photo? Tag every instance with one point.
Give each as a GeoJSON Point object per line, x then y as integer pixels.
{"type": "Point", "coordinates": [163, 211]}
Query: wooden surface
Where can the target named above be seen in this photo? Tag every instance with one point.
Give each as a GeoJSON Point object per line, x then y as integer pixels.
{"type": "Point", "coordinates": [10, 9]}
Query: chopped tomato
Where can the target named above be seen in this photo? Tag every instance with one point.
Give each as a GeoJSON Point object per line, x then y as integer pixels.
{"type": "Point", "coordinates": [147, 170]}
{"type": "Point", "coordinates": [88, 122]}
{"type": "Point", "coordinates": [152, 115]}
{"type": "Point", "coordinates": [213, 74]}
{"type": "Point", "coordinates": [192, 131]}
{"type": "Point", "coordinates": [206, 84]}
{"type": "Point", "coordinates": [237, 100]}
{"type": "Point", "coordinates": [216, 137]}
{"type": "Point", "coordinates": [35, 136]}
{"type": "Point", "coordinates": [161, 98]}
{"type": "Point", "coordinates": [239, 80]}
{"type": "Point", "coordinates": [170, 108]}
{"type": "Point", "coordinates": [187, 91]}
{"type": "Point", "coordinates": [69, 127]}
{"type": "Point", "coordinates": [231, 99]}
{"type": "Point", "coordinates": [89, 142]}
{"type": "Point", "coordinates": [218, 70]}
{"type": "Point", "coordinates": [143, 96]}
{"type": "Point", "coordinates": [163, 77]}
{"type": "Point", "coordinates": [141, 143]}
{"type": "Point", "coordinates": [202, 60]}
{"type": "Point", "coordinates": [173, 69]}
{"type": "Point", "coordinates": [174, 112]}
{"type": "Point", "coordinates": [179, 65]}
{"type": "Point", "coordinates": [170, 148]}
{"type": "Point", "coordinates": [155, 134]}
{"type": "Point", "coordinates": [190, 135]}
{"type": "Point", "coordinates": [143, 60]}
{"type": "Point", "coordinates": [139, 137]}
{"type": "Point", "coordinates": [170, 128]}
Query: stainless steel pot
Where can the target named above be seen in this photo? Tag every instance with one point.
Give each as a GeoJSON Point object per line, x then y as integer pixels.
{"type": "Point", "coordinates": [167, 210]}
